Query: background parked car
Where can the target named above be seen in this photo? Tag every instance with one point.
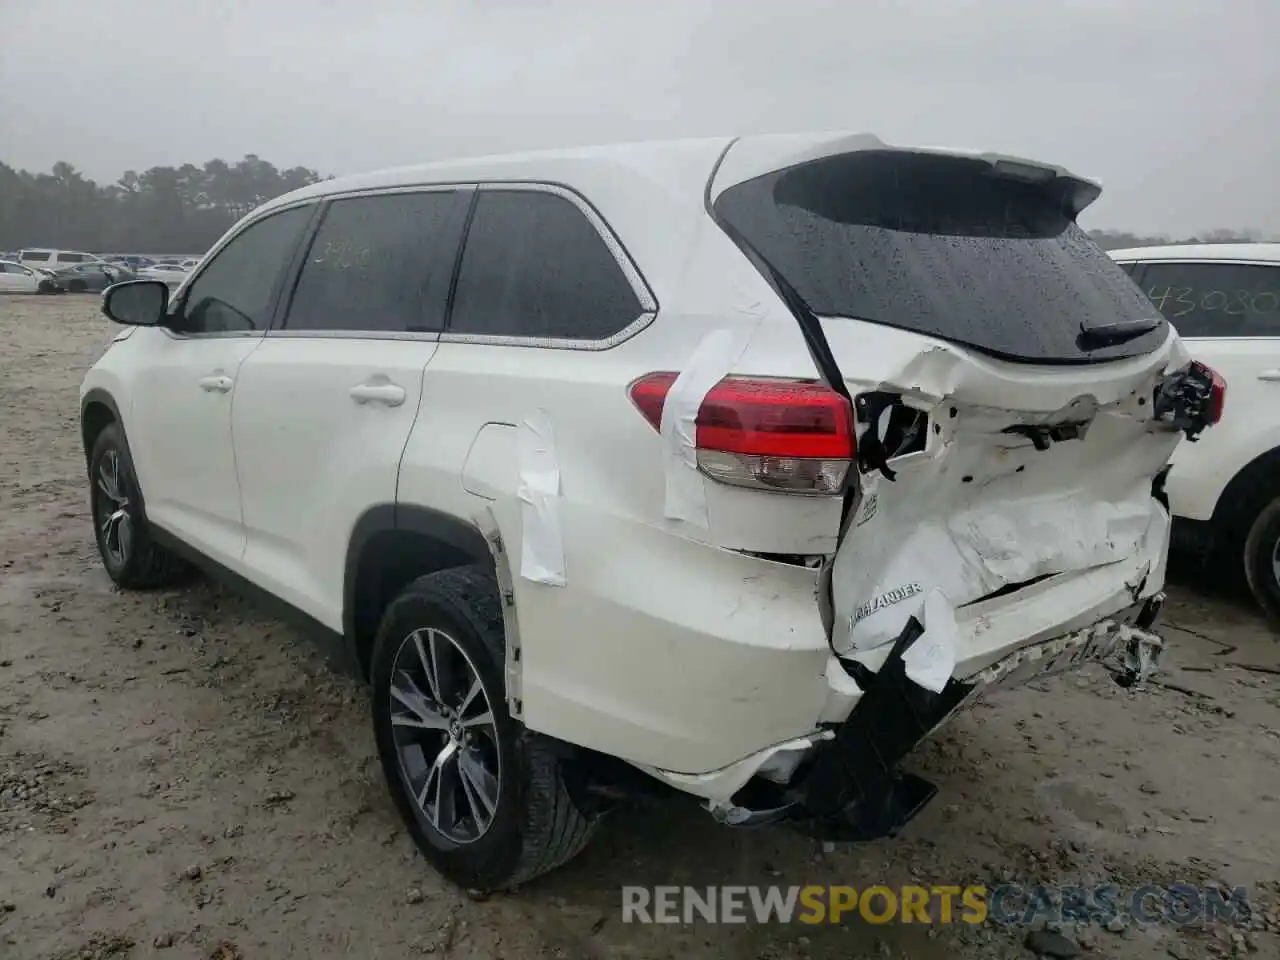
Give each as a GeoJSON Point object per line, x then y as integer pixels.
{"type": "Point", "coordinates": [51, 259]}
{"type": "Point", "coordinates": [1224, 299]}
{"type": "Point", "coordinates": [130, 261]}
{"type": "Point", "coordinates": [172, 274]}
{"type": "Point", "coordinates": [15, 278]}
{"type": "Point", "coordinates": [92, 277]}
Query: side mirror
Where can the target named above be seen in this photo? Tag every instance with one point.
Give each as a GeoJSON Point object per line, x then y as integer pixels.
{"type": "Point", "coordinates": [136, 303]}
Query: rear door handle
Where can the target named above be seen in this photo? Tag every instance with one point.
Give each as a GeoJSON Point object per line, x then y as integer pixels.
{"type": "Point", "coordinates": [1269, 375]}
{"type": "Point", "coordinates": [387, 394]}
{"type": "Point", "coordinates": [218, 383]}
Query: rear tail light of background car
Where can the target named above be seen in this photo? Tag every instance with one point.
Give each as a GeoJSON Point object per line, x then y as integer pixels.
{"type": "Point", "coordinates": [1217, 394]}
{"type": "Point", "coordinates": [787, 436]}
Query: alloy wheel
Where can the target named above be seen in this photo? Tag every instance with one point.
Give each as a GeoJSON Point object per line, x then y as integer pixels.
{"type": "Point", "coordinates": [445, 737]}
{"type": "Point", "coordinates": [111, 499]}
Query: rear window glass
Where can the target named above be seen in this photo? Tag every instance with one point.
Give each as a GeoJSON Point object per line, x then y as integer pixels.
{"type": "Point", "coordinates": [1216, 299]}
{"type": "Point", "coordinates": [535, 267]}
{"type": "Point", "coordinates": [945, 247]}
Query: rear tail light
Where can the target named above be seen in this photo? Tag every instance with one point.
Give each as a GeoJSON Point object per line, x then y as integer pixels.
{"type": "Point", "coordinates": [789, 436]}
{"type": "Point", "coordinates": [1217, 394]}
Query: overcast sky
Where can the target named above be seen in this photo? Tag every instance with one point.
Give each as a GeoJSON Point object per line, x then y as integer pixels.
{"type": "Point", "coordinates": [1173, 104]}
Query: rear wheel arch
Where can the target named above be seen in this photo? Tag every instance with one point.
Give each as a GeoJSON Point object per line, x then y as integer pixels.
{"type": "Point", "coordinates": [391, 546]}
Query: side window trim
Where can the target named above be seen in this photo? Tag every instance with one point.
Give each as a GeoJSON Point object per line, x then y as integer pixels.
{"type": "Point", "coordinates": [645, 295]}
{"type": "Point", "coordinates": [277, 289]}
{"type": "Point", "coordinates": [294, 272]}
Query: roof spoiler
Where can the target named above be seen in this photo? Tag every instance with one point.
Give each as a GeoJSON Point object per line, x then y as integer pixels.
{"type": "Point", "coordinates": [752, 156]}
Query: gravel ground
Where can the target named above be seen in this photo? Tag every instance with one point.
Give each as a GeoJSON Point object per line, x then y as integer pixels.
{"type": "Point", "coordinates": [182, 776]}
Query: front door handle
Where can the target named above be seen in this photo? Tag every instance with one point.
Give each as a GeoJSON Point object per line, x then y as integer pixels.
{"type": "Point", "coordinates": [385, 393]}
{"type": "Point", "coordinates": [218, 383]}
{"type": "Point", "coordinates": [1270, 375]}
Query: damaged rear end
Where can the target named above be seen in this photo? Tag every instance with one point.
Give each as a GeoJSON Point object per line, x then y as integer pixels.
{"type": "Point", "coordinates": [1015, 400]}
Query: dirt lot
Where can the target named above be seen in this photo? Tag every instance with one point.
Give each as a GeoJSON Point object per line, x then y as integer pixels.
{"type": "Point", "coordinates": [182, 776]}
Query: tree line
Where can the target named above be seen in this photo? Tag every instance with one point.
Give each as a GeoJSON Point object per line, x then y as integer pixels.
{"type": "Point", "coordinates": [164, 209]}
{"type": "Point", "coordinates": [185, 209]}
{"type": "Point", "coordinates": [1120, 240]}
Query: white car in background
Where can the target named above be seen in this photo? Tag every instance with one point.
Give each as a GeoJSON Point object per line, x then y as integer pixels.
{"type": "Point", "coordinates": [46, 258]}
{"type": "Point", "coordinates": [16, 278]}
{"type": "Point", "coordinates": [171, 274]}
{"type": "Point", "coordinates": [1224, 299]}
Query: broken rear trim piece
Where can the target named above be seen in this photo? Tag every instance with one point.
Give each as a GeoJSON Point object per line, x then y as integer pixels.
{"type": "Point", "coordinates": [1191, 399]}
{"type": "Point", "coordinates": [853, 790]}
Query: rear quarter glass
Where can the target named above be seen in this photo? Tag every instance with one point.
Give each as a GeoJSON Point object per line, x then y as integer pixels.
{"type": "Point", "coordinates": [945, 247]}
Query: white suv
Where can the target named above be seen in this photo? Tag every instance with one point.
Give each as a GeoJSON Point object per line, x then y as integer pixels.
{"type": "Point", "coordinates": [1224, 300]}
{"type": "Point", "coordinates": [739, 463]}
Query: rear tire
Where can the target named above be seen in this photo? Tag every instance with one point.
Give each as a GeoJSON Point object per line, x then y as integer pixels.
{"type": "Point", "coordinates": [132, 559]}
{"type": "Point", "coordinates": [77, 286]}
{"type": "Point", "coordinates": [1262, 559]}
{"type": "Point", "coordinates": [452, 620]}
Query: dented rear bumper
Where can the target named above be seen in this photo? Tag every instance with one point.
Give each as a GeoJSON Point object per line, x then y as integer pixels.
{"type": "Point", "coordinates": [851, 788]}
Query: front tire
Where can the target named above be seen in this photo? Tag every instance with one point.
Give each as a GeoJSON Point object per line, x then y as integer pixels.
{"type": "Point", "coordinates": [1262, 559]}
{"type": "Point", "coordinates": [482, 798]}
{"type": "Point", "coordinates": [77, 286]}
{"type": "Point", "coordinates": [132, 559]}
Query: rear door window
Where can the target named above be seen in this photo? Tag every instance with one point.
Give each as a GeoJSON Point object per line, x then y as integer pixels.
{"type": "Point", "coordinates": [35, 256]}
{"type": "Point", "coordinates": [943, 246]}
{"type": "Point", "coordinates": [535, 267]}
{"type": "Point", "coordinates": [381, 263]}
{"type": "Point", "coordinates": [1209, 299]}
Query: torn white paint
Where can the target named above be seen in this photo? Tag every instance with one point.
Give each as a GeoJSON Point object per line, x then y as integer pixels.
{"type": "Point", "coordinates": [980, 509]}
{"type": "Point", "coordinates": [870, 500]}
{"type": "Point", "coordinates": [840, 682]}
{"type": "Point", "coordinates": [931, 660]}
{"type": "Point", "coordinates": [977, 550]}
{"type": "Point", "coordinates": [541, 540]}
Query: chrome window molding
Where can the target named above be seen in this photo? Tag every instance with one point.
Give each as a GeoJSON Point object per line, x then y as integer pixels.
{"type": "Point", "coordinates": [558, 343]}
{"type": "Point", "coordinates": [1189, 260]}
{"type": "Point", "coordinates": [428, 336]}
{"type": "Point", "coordinates": [212, 334]}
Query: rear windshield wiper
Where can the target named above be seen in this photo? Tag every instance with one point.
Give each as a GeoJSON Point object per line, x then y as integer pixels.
{"type": "Point", "coordinates": [1110, 334]}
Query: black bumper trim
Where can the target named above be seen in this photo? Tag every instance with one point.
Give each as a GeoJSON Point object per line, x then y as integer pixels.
{"type": "Point", "coordinates": [853, 789]}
